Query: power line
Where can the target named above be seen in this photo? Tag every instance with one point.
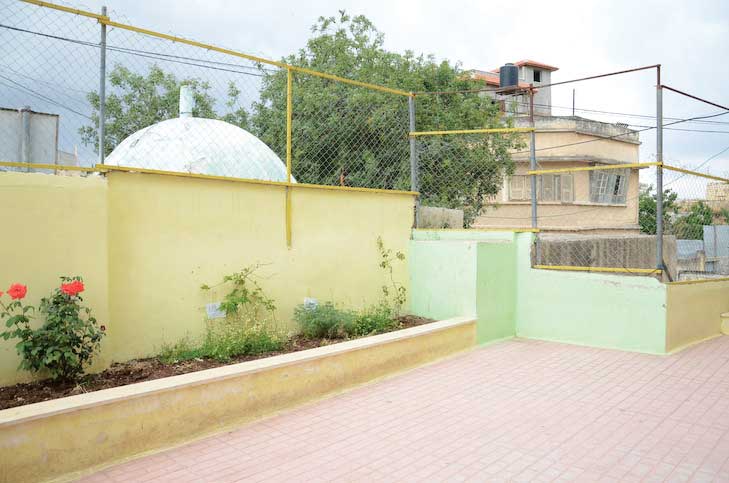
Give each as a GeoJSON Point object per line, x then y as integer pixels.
{"type": "Point", "coordinates": [624, 134]}
{"type": "Point", "coordinates": [625, 114]}
{"type": "Point", "coordinates": [683, 129]}
{"type": "Point", "coordinates": [37, 94]}
{"type": "Point", "coordinates": [155, 55]}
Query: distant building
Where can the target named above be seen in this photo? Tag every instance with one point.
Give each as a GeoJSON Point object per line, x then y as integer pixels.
{"type": "Point", "coordinates": [27, 136]}
{"type": "Point", "coordinates": [530, 72]}
{"type": "Point", "coordinates": [604, 202]}
{"type": "Point", "coordinates": [717, 191]}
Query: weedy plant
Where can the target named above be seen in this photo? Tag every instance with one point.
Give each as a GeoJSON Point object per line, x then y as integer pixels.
{"type": "Point", "coordinates": [324, 321]}
{"type": "Point", "coordinates": [329, 322]}
{"type": "Point", "coordinates": [67, 341]}
{"type": "Point", "coordinates": [395, 294]}
{"type": "Point", "coordinates": [249, 327]}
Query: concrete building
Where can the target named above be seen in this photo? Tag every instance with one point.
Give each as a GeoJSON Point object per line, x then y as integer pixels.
{"type": "Point", "coordinates": [600, 202]}
{"type": "Point", "coordinates": [530, 72]}
{"type": "Point", "coordinates": [717, 191]}
{"type": "Point", "coordinates": [27, 136]}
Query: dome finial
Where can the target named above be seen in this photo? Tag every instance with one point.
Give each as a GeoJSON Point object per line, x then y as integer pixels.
{"type": "Point", "coordinates": [187, 102]}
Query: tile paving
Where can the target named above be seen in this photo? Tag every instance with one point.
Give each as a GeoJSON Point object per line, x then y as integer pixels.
{"type": "Point", "coordinates": [520, 410]}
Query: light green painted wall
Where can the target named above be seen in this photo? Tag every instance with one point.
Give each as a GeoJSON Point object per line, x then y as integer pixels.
{"type": "Point", "coordinates": [612, 311]}
{"type": "Point", "coordinates": [490, 274]}
{"type": "Point", "coordinates": [443, 278]}
{"type": "Point", "coordinates": [496, 291]}
{"type": "Point", "coordinates": [456, 272]}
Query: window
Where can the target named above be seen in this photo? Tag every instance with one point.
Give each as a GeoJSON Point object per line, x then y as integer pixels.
{"type": "Point", "coordinates": [609, 187]}
{"type": "Point", "coordinates": [537, 76]}
{"type": "Point", "coordinates": [520, 188]}
{"type": "Point", "coordinates": [550, 187]}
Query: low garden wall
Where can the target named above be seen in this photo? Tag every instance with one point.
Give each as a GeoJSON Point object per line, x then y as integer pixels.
{"type": "Point", "coordinates": [694, 311]}
{"type": "Point", "coordinates": [489, 274]}
{"type": "Point", "coordinates": [59, 438]}
{"type": "Point", "coordinates": [146, 243]}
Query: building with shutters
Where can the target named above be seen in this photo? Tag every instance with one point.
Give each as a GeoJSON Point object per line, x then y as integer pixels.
{"type": "Point", "coordinates": [601, 202]}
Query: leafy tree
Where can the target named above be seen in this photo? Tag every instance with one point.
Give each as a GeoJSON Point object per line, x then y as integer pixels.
{"type": "Point", "coordinates": [691, 225]}
{"type": "Point", "coordinates": [136, 101]}
{"type": "Point", "coordinates": [343, 134]}
{"type": "Point", "coordinates": [647, 208]}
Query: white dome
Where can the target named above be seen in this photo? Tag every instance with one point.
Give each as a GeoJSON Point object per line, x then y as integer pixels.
{"type": "Point", "coordinates": [201, 146]}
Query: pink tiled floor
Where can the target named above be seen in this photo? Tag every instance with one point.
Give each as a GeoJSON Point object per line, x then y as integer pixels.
{"type": "Point", "coordinates": [515, 411]}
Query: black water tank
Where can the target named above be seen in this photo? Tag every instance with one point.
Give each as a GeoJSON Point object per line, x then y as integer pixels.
{"type": "Point", "coordinates": [508, 76]}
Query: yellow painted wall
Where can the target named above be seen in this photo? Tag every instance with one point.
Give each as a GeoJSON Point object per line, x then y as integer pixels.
{"type": "Point", "coordinates": [607, 148]}
{"type": "Point", "coordinates": [152, 240]}
{"type": "Point", "coordinates": [52, 226]}
{"type": "Point", "coordinates": [694, 312]}
{"type": "Point", "coordinates": [169, 235]}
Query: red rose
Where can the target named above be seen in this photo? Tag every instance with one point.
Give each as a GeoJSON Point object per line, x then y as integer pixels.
{"type": "Point", "coordinates": [17, 291]}
{"type": "Point", "coordinates": [1, 293]}
{"type": "Point", "coordinates": [72, 288]}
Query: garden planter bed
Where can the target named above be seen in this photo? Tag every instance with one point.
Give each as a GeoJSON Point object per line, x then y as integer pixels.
{"type": "Point", "coordinates": [62, 438]}
{"type": "Point", "coordinates": [121, 374]}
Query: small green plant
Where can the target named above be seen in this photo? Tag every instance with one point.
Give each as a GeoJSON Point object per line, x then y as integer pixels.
{"type": "Point", "coordinates": [247, 299]}
{"type": "Point", "coordinates": [324, 321]}
{"type": "Point", "coordinates": [395, 294]}
{"type": "Point", "coordinates": [224, 342]}
{"type": "Point", "coordinates": [249, 327]}
{"type": "Point", "coordinates": [373, 320]}
{"type": "Point", "coordinates": [66, 342]}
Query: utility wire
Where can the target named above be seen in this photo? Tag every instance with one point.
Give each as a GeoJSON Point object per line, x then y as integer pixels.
{"type": "Point", "coordinates": [37, 94]}
{"type": "Point", "coordinates": [157, 55]}
{"type": "Point", "coordinates": [625, 134]}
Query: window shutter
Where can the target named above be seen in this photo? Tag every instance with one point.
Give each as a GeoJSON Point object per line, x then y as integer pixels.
{"type": "Point", "coordinates": [516, 188]}
{"type": "Point", "coordinates": [567, 190]}
{"type": "Point", "coordinates": [548, 185]}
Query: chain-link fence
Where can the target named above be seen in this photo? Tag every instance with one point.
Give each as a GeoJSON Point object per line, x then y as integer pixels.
{"type": "Point", "coordinates": [696, 219]}
{"type": "Point", "coordinates": [49, 63]}
{"type": "Point", "coordinates": [171, 104]}
{"type": "Point", "coordinates": [597, 218]}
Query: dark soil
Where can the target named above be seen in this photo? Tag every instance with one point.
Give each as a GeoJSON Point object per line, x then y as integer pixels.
{"type": "Point", "coordinates": [138, 370]}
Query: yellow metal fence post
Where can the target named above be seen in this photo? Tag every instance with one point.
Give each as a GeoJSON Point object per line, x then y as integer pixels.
{"type": "Point", "coordinates": [289, 119]}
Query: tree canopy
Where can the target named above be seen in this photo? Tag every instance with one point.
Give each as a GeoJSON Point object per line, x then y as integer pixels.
{"type": "Point", "coordinates": [136, 101]}
{"type": "Point", "coordinates": [356, 136]}
{"type": "Point", "coordinates": [647, 208]}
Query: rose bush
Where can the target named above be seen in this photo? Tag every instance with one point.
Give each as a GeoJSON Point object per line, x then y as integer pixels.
{"type": "Point", "coordinates": [68, 339]}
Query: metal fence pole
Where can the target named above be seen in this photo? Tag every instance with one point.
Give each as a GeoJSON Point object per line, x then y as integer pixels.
{"type": "Point", "coordinates": [413, 158]}
{"type": "Point", "coordinates": [532, 167]}
{"type": "Point", "coordinates": [102, 92]}
{"type": "Point", "coordinates": [289, 145]}
{"type": "Point", "coordinates": [659, 171]}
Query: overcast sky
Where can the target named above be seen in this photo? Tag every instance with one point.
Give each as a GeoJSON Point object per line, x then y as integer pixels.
{"type": "Point", "coordinates": [689, 38]}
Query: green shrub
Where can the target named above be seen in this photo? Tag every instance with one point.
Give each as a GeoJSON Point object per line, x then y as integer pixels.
{"type": "Point", "coordinates": [324, 321]}
{"type": "Point", "coordinates": [373, 320]}
{"type": "Point", "coordinates": [67, 341]}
